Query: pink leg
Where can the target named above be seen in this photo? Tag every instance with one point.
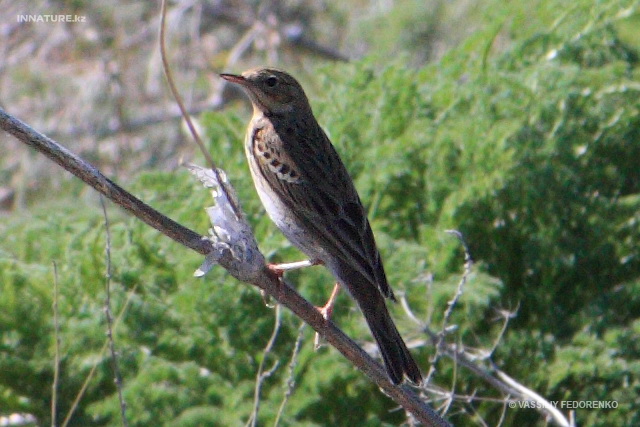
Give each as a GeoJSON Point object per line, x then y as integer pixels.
{"type": "Point", "coordinates": [327, 309]}
{"type": "Point", "coordinates": [326, 312]}
{"type": "Point", "coordinates": [280, 269]}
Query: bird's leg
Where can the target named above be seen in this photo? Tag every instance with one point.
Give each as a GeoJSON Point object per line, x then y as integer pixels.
{"type": "Point", "coordinates": [280, 269]}
{"type": "Point", "coordinates": [326, 312]}
{"type": "Point", "coordinates": [327, 309]}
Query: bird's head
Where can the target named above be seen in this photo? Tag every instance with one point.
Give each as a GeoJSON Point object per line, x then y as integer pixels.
{"type": "Point", "coordinates": [271, 91]}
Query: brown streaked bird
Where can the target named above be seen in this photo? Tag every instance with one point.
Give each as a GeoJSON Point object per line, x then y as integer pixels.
{"type": "Point", "coordinates": [307, 191]}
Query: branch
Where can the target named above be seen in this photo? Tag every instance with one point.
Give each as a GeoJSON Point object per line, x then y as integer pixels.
{"type": "Point", "coordinates": [261, 278]}
{"type": "Point", "coordinates": [92, 176]}
{"type": "Point", "coordinates": [460, 356]}
{"type": "Point", "coordinates": [528, 394]}
{"type": "Point", "coordinates": [504, 383]}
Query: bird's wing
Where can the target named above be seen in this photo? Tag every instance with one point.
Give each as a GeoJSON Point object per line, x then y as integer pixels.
{"type": "Point", "coordinates": [320, 192]}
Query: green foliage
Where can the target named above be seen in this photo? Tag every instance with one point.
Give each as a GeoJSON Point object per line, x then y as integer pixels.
{"type": "Point", "coordinates": [531, 153]}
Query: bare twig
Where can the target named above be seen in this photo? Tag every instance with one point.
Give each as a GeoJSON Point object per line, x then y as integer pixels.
{"type": "Point", "coordinates": [407, 309]}
{"type": "Point", "coordinates": [109, 318]}
{"type": "Point", "coordinates": [503, 413]}
{"type": "Point", "coordinates": [89, 174]}
{"type": "Point", "coordinates": [262, 375]}
{"type": "Point", "coordinates": [468, 263]}
{"type": "Point", "coordinates": [187, 118]}
{"type": "Point", "coordinates": [291, 382]}
{"type": "Point", "coordinates": [174, 90]}
{"type": "Point", "coordinates": [508, 388]}
{"type": "Point", "coordinates": [452, 392]}
{"type": "Point", "coordinates": [468, 398]}
{"type": "Point", "coordinates": [464, 358]}
{"type": "Point", "coordinates": [56, 361]}
{"type": "Point", "coordinates": [92, 372]}
{"type": "Point", "coordinates": [527, 393]}
{"type": "Point", "coordinates": [506, 316]}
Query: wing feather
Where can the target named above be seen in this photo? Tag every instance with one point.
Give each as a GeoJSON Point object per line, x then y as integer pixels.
{"type": "Point", "coordinates": [321, 195]}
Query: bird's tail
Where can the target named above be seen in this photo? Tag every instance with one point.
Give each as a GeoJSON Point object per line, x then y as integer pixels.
{"type": "Point", "coordinates": [397, 358]}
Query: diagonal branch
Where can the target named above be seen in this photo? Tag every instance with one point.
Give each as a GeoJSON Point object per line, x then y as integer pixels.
{"type": "Point", "coordinates": [262, 278]}
{"type": "Point", "coordinates": [92, 176]}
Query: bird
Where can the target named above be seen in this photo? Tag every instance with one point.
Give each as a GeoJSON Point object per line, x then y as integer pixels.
{"type": "Point", "coordinates": [308, 193]}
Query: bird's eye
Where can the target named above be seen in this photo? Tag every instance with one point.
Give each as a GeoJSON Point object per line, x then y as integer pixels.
{"type": "Point", "coordinates": [271, 81]}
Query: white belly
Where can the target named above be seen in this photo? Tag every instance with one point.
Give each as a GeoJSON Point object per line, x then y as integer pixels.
{"type": "Point", "coordinates": [280, 214]}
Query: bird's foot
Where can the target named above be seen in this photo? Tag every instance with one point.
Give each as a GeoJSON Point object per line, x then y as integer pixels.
{"type": "Point", "coordinates": [276, 270]}
{"type": "Point", "coordinates": [326, 311]}
{"type": "Point", "coordinates": [277, 273]}
{"type": "Point", "coordinates": [280, 269]}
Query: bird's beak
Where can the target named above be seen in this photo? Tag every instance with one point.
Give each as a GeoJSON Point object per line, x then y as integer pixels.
{"type": "Point", "coordinates": [234, 78]}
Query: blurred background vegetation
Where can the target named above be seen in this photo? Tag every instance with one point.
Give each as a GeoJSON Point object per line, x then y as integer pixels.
{"type": "Point", "coordinates": [517, 123]}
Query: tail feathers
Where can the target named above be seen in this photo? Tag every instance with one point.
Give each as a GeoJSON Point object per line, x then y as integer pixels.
{"type": "Point", "coordinates": [397, 358]}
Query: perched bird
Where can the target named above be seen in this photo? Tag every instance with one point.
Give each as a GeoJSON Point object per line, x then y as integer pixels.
{"type": "Point", "coordinates": [308, 193]}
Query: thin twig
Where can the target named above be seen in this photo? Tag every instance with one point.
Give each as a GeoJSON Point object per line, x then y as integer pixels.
{"type": "Point", "coordinates": [509, 387]}
{"type": "Point", "coordinates": [410, 314]}
{"type": "Point", "coordinates": [185, 115]}
{"type": "Point", "coordinates": [468, 263]}
{"type": "Point", "coordinates": [291, 381]}
{"type": "Point", "coordinates": [463, 358]}
{"type": "Point", "coordinates": [174, 90]}
{"type": "Point", "coordinates": [261, 374]}
{"type": "Point", "coordinates": [107, 312]}
{"type": "Point", "coordinates": [56, 361]}
{"type": "Point", "coordinates": [506, 315]}
{"type": "Point", "coordinates": [460, 356]}
{"type": "Point", "coordinates": [452, 392]}
{"type": "Point", "coordinates": [445, 394]}
{"type": "Point", "coordinates": [103, 350]}
{"type": "Point", "coordinates": [529, 394]}
{"type": "Point", "coordinates": [467, 360]}
{"type": "Point", "coordinates": [503, 413]}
